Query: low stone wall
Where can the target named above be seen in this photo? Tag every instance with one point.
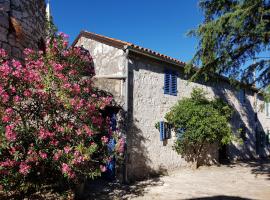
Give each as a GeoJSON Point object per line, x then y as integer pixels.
{"type": "Point", "coordinates": [22, 25]}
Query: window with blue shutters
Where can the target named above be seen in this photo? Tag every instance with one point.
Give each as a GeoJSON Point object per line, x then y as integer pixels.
{"type": "Point", "coordinates": [170, 83]}
{"type": "Point", "coordinates": [165, 130]}
{"type": "Point", "coordinates": [162, 130]}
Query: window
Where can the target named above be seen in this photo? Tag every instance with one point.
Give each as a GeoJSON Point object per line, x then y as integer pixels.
{"type": "Point", "coordinates": [267, 109]}
{"type": "Point", "coordinates": [242, 96]}
{"type": "Point", "coordinates": [164, 130]}
{"type": "Point", "coordinates": [170, 83]}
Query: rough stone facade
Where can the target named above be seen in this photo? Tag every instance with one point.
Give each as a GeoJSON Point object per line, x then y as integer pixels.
{"type": "Point", "coordinates": [147, 104]}
{"type": "Point", "coordinates": [110, 65]}
{"type": "Point", "coordinates": [22, 25]}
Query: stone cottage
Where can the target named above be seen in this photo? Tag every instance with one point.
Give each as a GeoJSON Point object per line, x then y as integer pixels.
{"type": "Point", "coordinates": [136, 76]}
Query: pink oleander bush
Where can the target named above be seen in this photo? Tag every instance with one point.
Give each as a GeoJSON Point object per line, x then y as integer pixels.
{"type": "Point", "coordinates": [51, 123]}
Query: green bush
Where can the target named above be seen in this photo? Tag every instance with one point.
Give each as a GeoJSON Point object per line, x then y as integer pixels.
{"type": "Point", "coordinates": [199, 122]}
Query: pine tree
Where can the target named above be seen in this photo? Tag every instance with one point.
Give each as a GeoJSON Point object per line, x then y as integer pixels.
{"type": "Point", "coordinates": [233, 35]}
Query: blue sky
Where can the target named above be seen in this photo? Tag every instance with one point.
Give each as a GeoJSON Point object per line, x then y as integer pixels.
{"type": "Point", "coordinates": [160, 25]}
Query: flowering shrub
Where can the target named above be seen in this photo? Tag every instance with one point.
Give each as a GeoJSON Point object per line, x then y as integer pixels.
{"type": "Point", "coordinates": [51, 123]}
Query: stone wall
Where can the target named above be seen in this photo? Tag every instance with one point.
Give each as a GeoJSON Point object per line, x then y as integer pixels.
{"type": "Point", "coordinates": [22, 25]}
{"type": "Point", "coordinates": [110, 65]}
{"type": "Point", "coordinates": [148, 105]}
{"type": "Point", "coordinates": [146, 154]}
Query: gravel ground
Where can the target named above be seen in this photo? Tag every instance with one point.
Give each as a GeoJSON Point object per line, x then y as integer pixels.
{"type": "Point", "coordinates": [238, 181]}
{"type": "Point", "coordinates": [250, 180]}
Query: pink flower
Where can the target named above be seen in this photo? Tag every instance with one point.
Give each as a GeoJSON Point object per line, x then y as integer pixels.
{"type": "Point", "coordinates": [16, 64]}
{"type": "Point", "coordinates": [103, 168]}
{"type": "Point", "coordinates": [32, 156]}
{"type": "Point", "coordinates": [88, 131]}
{"type": "Point", "coordinates": [67, 170]}
{"type": "Point", "coordinates": [58, 67]}
{"type": "Point", "coordinates": [67, 149]}
{"type": "Point", "coordinates": [28, 52]}
{"type": "Point", "coordinates": [63, 35]}
{"type": "Point", "coordinates": [44, 134]}
{"type": "Point", "coordinates": [24, 168]}
{"type": "Point", "coordinates": [3, 53]}
{"type": "Point", "coordinates": [76, 89]}
{"type": "Point", "coordinates": [54, 142]}
{"type": "Point", "coordinates": [7, 163]}
{"type": "Point", "coordinates": [17, 73]}
{"type": "Point", "coordinates": [5, 69]}
{"type": "Point", "coordinates": [104, 139]}
{"type": "Point", "coordinates": [57, 155]}
{"type": "Point", "coordinates": [67, 86]}
{"type": "Point", "coordinates": [5, 119]}
{"type": "Point", "coordinates": [12, 150]}
{"type": "Point", "coordinates": [10, 134]}
{"type": "Point", "coordinates": [27, 93]}
{"type": "Point", "coordinates": [9, 111]}
{"type": "Point", "coordinates": [16, 99]}
{"type": "Point", "coordinates": [43, 155]}
{"type": "Point", "coordinates": [1, 89]}
{"type": "Point", "coordinates": [79, 132]}
{"type": "Point", "coordinates": [86, 90]}
{"type": "Point", "coordinates": [13, 89]}
{"type": "Point", "coordinates": [5, 97]}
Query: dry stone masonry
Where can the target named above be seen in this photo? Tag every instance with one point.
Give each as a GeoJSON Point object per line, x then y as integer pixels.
{"type": "Point", "coordinates": [22, 25]}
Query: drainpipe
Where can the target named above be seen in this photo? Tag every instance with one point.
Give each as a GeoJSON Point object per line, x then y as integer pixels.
{"type": "Point", "coordinates": [126, 50]}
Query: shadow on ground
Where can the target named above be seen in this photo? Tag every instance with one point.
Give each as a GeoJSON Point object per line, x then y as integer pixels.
{"type": "Point", "coordinates": [113, 191]}
{"type": "Point", "coordinates": [257, 167]}
{"type": "Point", "coordinates": [219, 198]}
{"type": "Point", "coordinates": [100, 189]}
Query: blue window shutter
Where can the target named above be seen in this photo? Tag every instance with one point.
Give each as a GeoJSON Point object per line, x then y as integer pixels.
{"type": "Point", "coordinates": [167, 77]}
{"type": "Point", "coordinates": [173, 84]}
{"type": "Point", "coordinates": [113, 122]}
{"type": "Point", "coordinates": [161, 130]}
{"type": "Point", "coordinates": [170, 83]}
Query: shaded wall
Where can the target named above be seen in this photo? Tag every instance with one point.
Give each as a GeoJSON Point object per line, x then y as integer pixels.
{"type": "Point", "coordinates": [148, 105]}
{"type": "Point", "coordinates": [146, 154]}
{"type": "Point", "coordinates": [110, 65]}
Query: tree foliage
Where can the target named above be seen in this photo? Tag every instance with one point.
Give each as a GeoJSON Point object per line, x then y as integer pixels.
{"type": "Point", "coordinates": [199, 122]}
{"type": "Point", "coordinates": [232, 34]}
{"type": "Point", "coordinates": [51, 122]}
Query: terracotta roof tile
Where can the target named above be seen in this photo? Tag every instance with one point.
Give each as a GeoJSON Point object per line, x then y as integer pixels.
{"type": "Point", "coordinates": [124, 44]}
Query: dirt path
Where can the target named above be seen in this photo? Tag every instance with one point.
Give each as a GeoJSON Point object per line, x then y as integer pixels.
{"type": "Point", "coordinates": [238, 181]}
